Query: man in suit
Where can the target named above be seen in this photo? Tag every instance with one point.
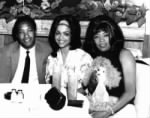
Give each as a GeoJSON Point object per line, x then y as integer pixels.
{"type": "Point", "coordinates": [13, 56]}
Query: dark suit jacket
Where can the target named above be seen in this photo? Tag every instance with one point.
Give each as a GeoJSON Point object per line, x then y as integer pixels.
{"type": "Point", "coordinates": [9, 59]}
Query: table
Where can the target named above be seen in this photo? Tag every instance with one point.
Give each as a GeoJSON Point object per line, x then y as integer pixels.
{"type": "Point", "coordinates": [35, 106]}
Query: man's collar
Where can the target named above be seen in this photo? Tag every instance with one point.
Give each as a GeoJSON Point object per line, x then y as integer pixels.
{"type": "Point", "coordinates": [24, 49]}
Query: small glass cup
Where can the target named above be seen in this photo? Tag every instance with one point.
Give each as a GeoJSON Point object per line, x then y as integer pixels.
{"type": "Point", "coordinates": [20, 96]}
{"type": "Point", "coordinates": [13, 95]}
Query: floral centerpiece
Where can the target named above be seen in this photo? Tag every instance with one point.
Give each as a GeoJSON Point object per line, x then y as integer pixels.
{"type": "Point", "coordinates": [82, 9]}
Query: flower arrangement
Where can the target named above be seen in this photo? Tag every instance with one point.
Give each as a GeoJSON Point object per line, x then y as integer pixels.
{"type": "Point", "coordinates": [82, 9]}
{"type": "Point", "coordinates": [10, 9]}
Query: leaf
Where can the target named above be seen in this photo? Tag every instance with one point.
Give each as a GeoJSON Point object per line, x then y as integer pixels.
{"type": "Point", "coordinates": [2, 3]}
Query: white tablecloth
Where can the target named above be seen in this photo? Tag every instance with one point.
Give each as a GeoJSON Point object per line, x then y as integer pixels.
{"type": "Point", "coordinates": [35, 106]}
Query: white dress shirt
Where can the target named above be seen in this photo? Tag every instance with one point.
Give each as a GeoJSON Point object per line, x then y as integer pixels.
{"type": "Point", "coordinates": [33, 76]}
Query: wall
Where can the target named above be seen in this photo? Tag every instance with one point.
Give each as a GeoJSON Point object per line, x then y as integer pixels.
{"type": "Point", "coordinates": [146, 48]}
{"type": "Point", "coordinates": [134, 35]}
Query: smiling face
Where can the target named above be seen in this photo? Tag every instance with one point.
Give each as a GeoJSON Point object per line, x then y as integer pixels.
{"type": "Point", "coordinates": [63, 34]}
{"type": "Point", "coordinates": [26, 35]}
{"type": "Point", "coordinates": [102, 41]}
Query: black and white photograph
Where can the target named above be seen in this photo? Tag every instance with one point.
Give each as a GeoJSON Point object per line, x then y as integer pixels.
{"type": "Point", "coordinates": [74, 59]}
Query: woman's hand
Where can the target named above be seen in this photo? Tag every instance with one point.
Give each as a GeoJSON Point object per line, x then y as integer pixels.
{"type": "Point", "coordinates": [100, 114]}
{"type": "Point", "coordinates": [82, 91]}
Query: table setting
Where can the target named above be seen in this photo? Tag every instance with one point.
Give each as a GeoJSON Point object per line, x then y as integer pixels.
{"type": "Point", "coordinates": [29, 101]}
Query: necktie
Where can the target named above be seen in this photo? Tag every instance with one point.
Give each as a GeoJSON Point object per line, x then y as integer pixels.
{"type": "Point", "coordinates": [25, 77]}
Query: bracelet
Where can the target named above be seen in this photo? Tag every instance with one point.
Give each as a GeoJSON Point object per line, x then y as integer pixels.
{"type": "Point", "coordinates": [112, 111]}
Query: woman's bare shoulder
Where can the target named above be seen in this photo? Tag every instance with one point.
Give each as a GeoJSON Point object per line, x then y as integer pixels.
{"type": "Point", "coordinates": [126, 56]}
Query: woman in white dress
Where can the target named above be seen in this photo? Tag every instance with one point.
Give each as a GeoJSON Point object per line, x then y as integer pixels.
{"type": "Point", "coordinates": [67, 65]}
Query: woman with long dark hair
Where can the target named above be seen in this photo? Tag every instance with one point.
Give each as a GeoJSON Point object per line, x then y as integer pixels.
{"type": "Point", "coordinates": [68, 63]}
{"type": "Point", "coordinates": [105, 39]}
